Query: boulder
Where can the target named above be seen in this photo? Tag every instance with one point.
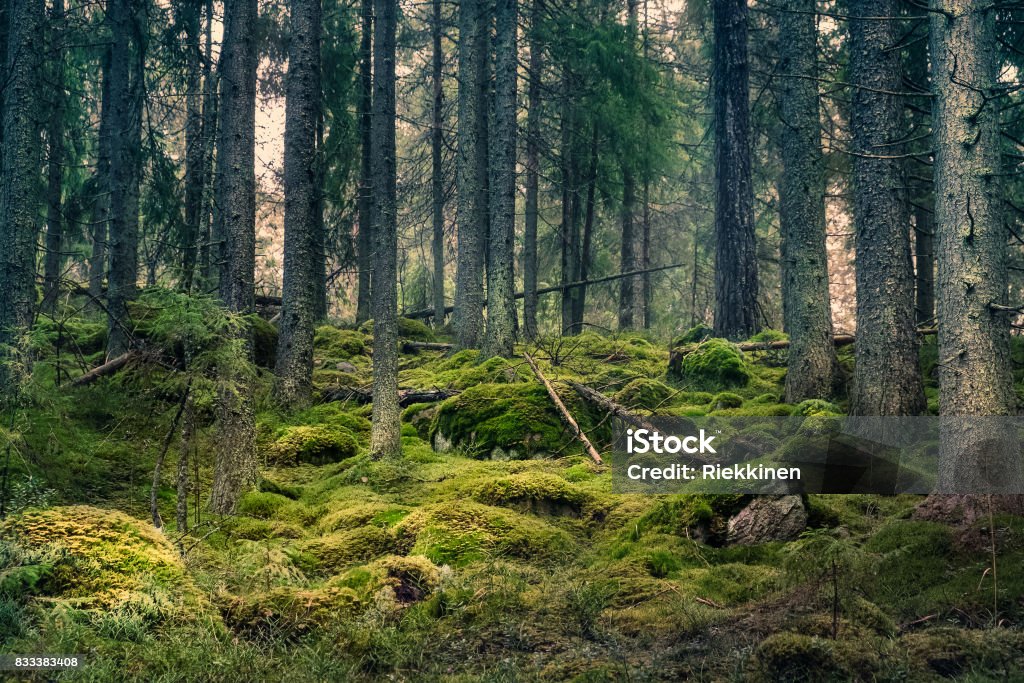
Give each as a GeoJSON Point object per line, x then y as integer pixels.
{"type": "Point", "coordinates": [768, 518]}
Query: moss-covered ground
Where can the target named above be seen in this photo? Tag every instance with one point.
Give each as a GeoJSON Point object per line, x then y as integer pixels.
{"type": "Point", "coordinates": [493, 550]}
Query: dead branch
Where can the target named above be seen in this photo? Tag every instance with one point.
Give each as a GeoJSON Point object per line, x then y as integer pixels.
{"type": "Point", "coordinates": [566, 415]}
{"type": "Point", "coordinates": [406, 397]}
{"type": "Point", "coordinates": [109, 368]}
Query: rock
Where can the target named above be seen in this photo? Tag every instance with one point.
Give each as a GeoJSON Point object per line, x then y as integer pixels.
{"type": "Point", "coordinates": [442, 444]}
{"type": "Point", "coordinates": [768, 518]}
{"type": "Point", "coordinates": [345, 367]}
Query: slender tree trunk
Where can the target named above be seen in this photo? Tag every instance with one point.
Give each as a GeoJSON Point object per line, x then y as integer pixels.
{"type": "Point", "coordinates": [195, 173]}
{"type": "Point", "coordinates": [579, 304]}
{"type": "Point", "coordinates": [126, 92]}
{"type": "Point", "coordinates": [924, 257]}
{"type": "Point", "coordinates": [501, 309]}
{"type": "Point", "coordinates": [627, 259]}
{"type": "Point", "coordinates": [320, 302]}
{"type": "Point", "coordinates": [736, 286]}
{"type": "Point", "coordinates": [56, 158]}
{"type": "Point", "coordinates": [364, 202]}
{"type": "Point", "coordinates": [20, 166]}
{"type": "Point", "coordinates": [533, 132]}
{"type": "Point", "coordinates": [235, 466]}
{"type": "Point", "coordinates": [645, 256]}
{"type": "Point", "coordinates": [101, 202]}
{"type": "Point", "coordinates": [569, 228]}
{"type": "Point", "coordinates": [182, 483]}
{"type": "Point", "coordinates": [209, 137]}
{"type": "Point", "coordinates": [471, 173]}
{"type": "Point", "coordinates": [887, 378]}
{"type": "Point", "coordinates": [975, 376]}
{"type": "Point", "coordinates": [437, 160]}
{"type": "Point", "coordinates": [812, 368]}
{"type": "Point", "coordinates": [385, 441]}
{"type": "Point", "coordinates": [302, 267]}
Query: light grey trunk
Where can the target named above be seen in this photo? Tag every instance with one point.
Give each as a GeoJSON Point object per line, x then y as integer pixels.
{"type": "Point", "coordinates": [364, 202]}
{"type": "Point", "coordinates": [812, 369]}
{"type": "Point", "coordinates": [303, 266]}
{"type": "Point", "coordinates": [101, 202]}
{"type": "Point", "coordinates": [21, 154]}
{"type": "Point", "coordinates": [437, 162]}
{"type": "Point", "coordinates": [195, 171]}
{"type": "Point", "coordinates": [532, 208]}
{"type": "Point", "coordinates": [501, 309]}
{"type": "Point", "coordinates": [887, 378]}
{"type": "Point", "coordinates": [975, 376]}
{"type": "Point", "coordinates": [385, 437]}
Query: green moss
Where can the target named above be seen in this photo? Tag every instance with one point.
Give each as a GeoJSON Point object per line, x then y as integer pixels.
{"type": "Point", "coordinates": [288, 612]}
{"type": "Point", "coordinates": [645, 393]}
{"type": "Point", "coordinates": [713, 365]}
{"type": "Point", "coordinates": [341, 549]}
{"type": "Point", "coordinates": [534, 492]}
{"type": "Point", "coordinates": [814, 406]}
{"type": "Point", "coordinates": [105, 559]}
{"type": "Point", "coordinates": [410, 329]}
{"type": "Point", "coordinates": [363, 514]}
{"type": "Point", "coordinates": [262, 504]}
{"type": "Point", "coordinates": [335, 414]}
{"type": "Point", "coordinates": [503, 422]}
{"type": "Point", "coordinates": [700, 516]}
{"type": "Point", "coordinates": [411, 578]}
{"type": "Point", "coordinates": [769, 336]}
{"type": "Point", "coordinates": [335, 344]}
{"type": "Point", "coordinates": [693, 335]}
{"type": "Point", "coordinates": [420, 415]}
{"type": "Point", "coordinates": [315, 444]}
{"type": "Point", "coordinates": [461, 532]}
{"type": "Point", "coordinates": [726, 400]}
{"type": "Point", "coordinates": [286, 490]}
{"type": "Point", "coordinates": [253, 529]}
{"type": "Point", "coordinates": [952, 653]}
{"type": "Point", "coordinates": [796, 657]}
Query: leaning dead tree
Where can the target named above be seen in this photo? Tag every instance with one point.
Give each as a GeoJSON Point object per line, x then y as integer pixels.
{"type": "Point", "coordinates": [566, 415]}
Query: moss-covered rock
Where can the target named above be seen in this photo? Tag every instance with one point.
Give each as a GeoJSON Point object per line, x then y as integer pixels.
{"type": "Point", "coordinates": [645, 393]}
{"type": "Point", "coordinates": [534, 492]}
{"type": "Point", "coordinates": [460, 532]}
{"type": "Point", "coordinates": [312, 444]}
{"type": "Point", "coordinates": [335, 344]}
{"type": "Point", "coordinates": [713, 365]}
{"type": "Point", "coordinates": [287, 612]}
{"type": "Point", "coordinates": [814, 407]}
{"type": "Point", "coordinates": [703, 517]}
{"type": "Point", "coordinates": [105, 559]}
{"type": "Point", "coordinates": [693, 335]}
{"type": "Point", "coordinates": [502, 422]}
{"type": "Point", "coordinates": [420, 416]}
{"type": "Point", "coordinates": [796, 657]}
{"type": "Point", "coordinates": [413, 330]}
{"type": "Point", "coordinates": [726, 400]}
{"type": "Point", "coordinates": [363, 514]}
{"type": "Point", "coordinates": [336, 551]}
{"type": "Point", "coordinates": [411, 578]}
{"type": "Point", "coordinates": [256, 529]}
{"type": "Point", "coordinates": [262, 504]}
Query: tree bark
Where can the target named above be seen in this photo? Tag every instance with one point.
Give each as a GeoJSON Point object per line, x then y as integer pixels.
{"type": "Point", "coordinates": [101, 201]}
{"type": "Point", "coordinates": [126, 92]}
{"type": "Point", "coordinates": [627, 258]}
{"type": "Point", "coordinates": [579, 294]}
{"type": "Point", "coordinates": [924, 258]}
{"type": "Point", "coordinates": [570, 227]}
{"type": "Point", "coordinates": [53, 259]}
{"type": "Point", "coordinates": [532, 208]}
{"type": "Point", "coordinates": [21, 156]}
{"type": "Point", "coordinates": [471, 173]}
{"type": "Point", "coordinates": [501, 309]}
{"type": "Point", "coordinates": [235, 467]}
{"type": "Point", "coordinates": [437, 160]}
{"type": "Point", "coordinates": [302, 268]}
{"type": "Point", "coordinates": [736, 287]}
{"type": "Point", "coordinates": [207, 222]}
{"type": "Point", "coordinates": [385, 441]}
{"type": "Point", "coordinates": [195, 172]}
{"type": "Point", "coordinates": [975, 376]}
{"type": "Point", "coordinates": [887, 378]}
{"type": "Point", "coordinates": [364, 202]}
{"type": "Point", "coordinates": [812, 368]}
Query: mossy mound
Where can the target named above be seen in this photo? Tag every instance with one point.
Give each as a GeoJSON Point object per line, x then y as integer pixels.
{"type": "Point", "coordinates": [713, 365]}
{"type": "Point", "coordinates": [255, 529]}
{"type": "Point", "coordinates": [769, 335]}
{"type": "Point", "coordinates": [287, 612]}
{"type": "Point", "coordinates": [312, 444]}
{"type": "Point", "coordinates": [798, 657]}
{"type": "Point", "coordinates": [461, 532]}
{"type": "Point", "coordinates": [502, 422]}
{"type": "Point", "coordinates": [814, 406]}
{"type": "Point", "coordinates": [726, 399]}
{"type": "Point", "coordinates": [374, 514]}
{"type": "Point", "coordinates": [263, 504]}
{"type": "Point", "coordinates": [419, 416]}
{"type": "Point", "coordinates": [335, 344]}
{"type": "Point", "coordinates": [410, 329]}
{"type": "Point", "coordinates": [693, 335]}
{"type": "Point", "coordinates": [410, 578]}
{"type": "Point", "coordinates": [645, 393]}
{"type": "Point", "coordinates": [463, 370]}
{"type": "Point", "coordinates": [104, 559]}
{"type": "Point", "coordinates": [534, 492]}
{"type": "Point", "coordinates": [700, 516]}
{"type": "Point", "coordinates": [951, 652]}
{"type": "Point", "coordinates": [331, 553]}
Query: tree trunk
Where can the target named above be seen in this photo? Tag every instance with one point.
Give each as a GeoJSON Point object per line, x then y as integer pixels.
{"type": "Point", "coordinates": [812, 369]}
{"type": "Point", "coordinates": [437, 160]}
{"type": "Point", "coordinates": [126, 92]}
{"type": "Point", "coordinates": [53, 258]}
{"type": "Point", "coordinates": [364, 202]}
{"type": "Point", "coordinates": [206, 212]}
{"type": "Point", "coordinates": [735, 244]}
{"type": "Point", "coordinates": [532, 208]}
{"type": "Point", "coordinates": [570, 228]}
{"type": "Point", "coordinates": [501, 309]}
{"type": "Point", "coordinates": [235, 467]}
{"type": "Point", "coordinates": [924, 257]}
{"type": "Point", "coordinates": [385, 441]}
{"type": "Point", "coordinates": [100, 214]}
{"type": "Point", "coordinates": [471, 173]}
{"type": "Point", "coordinates": [627, 259]}
{"type": "Point", "coordinates": [975, 377]}
{"type": "Point", "coordinates": [195, 173]}
{"type": "Point", "coordinates": [579, 297]}
{"type": "Point", "coordinates": [645, 256]}
{"type": "Point", "coordinates": [21, 156]}
{"type": "Point", "coordinates": [302, 268]}
{"type": "Point", "coordinates": [887, 378]}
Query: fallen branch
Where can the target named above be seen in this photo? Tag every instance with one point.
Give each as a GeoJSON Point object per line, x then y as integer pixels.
{"type": "Point", "coordinates": [405, 398]}
{"type": "Point", "coordinates": [429, 312]}
{"type": "Point", "coordinates": [566, 415]}
{"type": "Point", "coordinates": [108, 368]}
{"type": "Point", "coordinates": [426, 346]}
{"type": "Point", "coordinates": [618, 410]}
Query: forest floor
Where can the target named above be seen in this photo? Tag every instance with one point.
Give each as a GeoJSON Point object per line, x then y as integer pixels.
{"type": "Point", "coordinates": [493, 550]}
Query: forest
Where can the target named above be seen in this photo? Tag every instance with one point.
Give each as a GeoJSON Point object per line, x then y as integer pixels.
{"type": "Point", "coordinates": [322, 321]}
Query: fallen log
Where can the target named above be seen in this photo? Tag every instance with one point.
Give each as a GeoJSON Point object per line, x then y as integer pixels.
{"type": "Point", "coordinates": [429, 312]}
{"type": "Point", "coordinates": [566, 415]}
{"type": "Point", "coordinates": [618, 410]}
{"type": "Point", "coordinates": [108, 368]}
{"type": "Point", "coordinates": [426, 346]}
{"type": "Point", "coordinates": [405, 398]}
